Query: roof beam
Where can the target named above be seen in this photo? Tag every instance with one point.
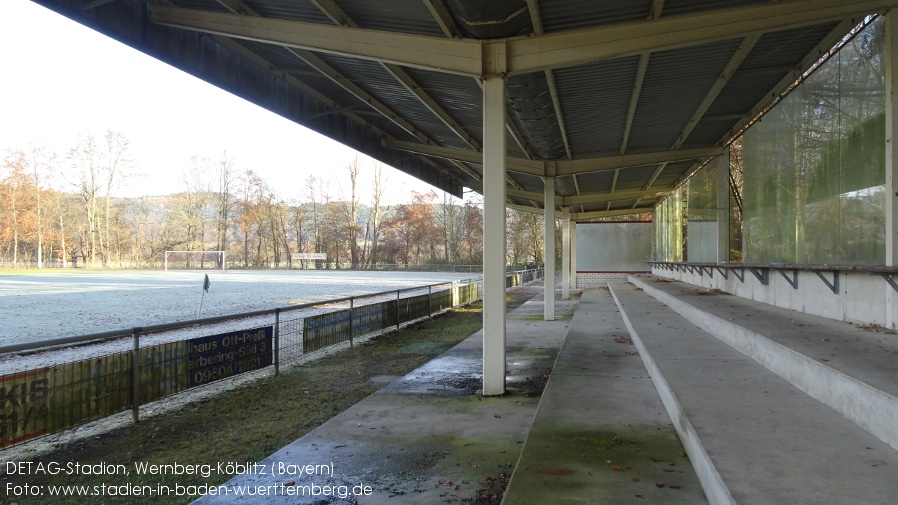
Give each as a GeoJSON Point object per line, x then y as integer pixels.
{"type": "Point", "coordinates": [525, 54]}
{"type": "Point", "coordinates": [748, 43]}
{"type": "Point", "coordinates": [657, 7]}
{"type": "Point", "coordinates": [559, 167]}
{"type": "Point", "coordinates": [338, 16]}
{"type": "Point", "coordinates": [318, 96]}
{"type": "Point", "coordinates": [594, 198]}
{"type": "Point", "coordinates": [462, 56]}
{"type": "Point", "coordinates": [536, 21]}
{"type": "Point", "coordinates": [585, 199]}
{"type": "Point", "coordinates": [443, 18]}
{"type": "Point", "coordinates": [625, 39]}
{"type": "Point", "coordinates": [578, 216]}
{"type": "Point", "coordinates": [654, 176]}
{"type": "Point", "coordinates": [333, 11]}
{"type": "Point", "coordinates": [520, 165]}
{"type": "Point", "coordinates": [634, 100]}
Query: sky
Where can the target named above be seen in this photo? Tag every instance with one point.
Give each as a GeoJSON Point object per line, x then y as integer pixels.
{"type": "Point", "coordinates": [60, 79]}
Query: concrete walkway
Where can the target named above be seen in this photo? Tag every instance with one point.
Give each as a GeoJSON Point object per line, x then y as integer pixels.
{"type": "Point", "coordinates": [601, 435]}
{"type": "Point", "coordinates": [427, 438]}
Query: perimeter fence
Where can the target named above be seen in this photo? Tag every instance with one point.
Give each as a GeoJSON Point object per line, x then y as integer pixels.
{"type": "Point", "coordinates": [58, 384]}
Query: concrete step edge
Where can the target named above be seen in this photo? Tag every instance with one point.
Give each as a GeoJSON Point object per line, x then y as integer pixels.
{"type": "Point", "coordinates": [715, 488]}
{"type": "Point", "coordinates": [870, 408]}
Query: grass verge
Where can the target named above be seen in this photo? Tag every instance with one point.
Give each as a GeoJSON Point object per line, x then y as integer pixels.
{"type": "Point", "coordinates": [245, 424]}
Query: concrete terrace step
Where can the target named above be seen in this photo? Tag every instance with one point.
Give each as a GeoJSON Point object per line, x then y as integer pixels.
{"type": "Point", "coordinates": [850, 368]}
{"type": "Point", "coordinates": [601, 434]}
{"type": "Point", "coordinates": [753, 437]}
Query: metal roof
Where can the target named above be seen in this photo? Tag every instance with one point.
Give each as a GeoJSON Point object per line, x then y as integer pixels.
{"type": "Point", "coordinates": [622, 99]}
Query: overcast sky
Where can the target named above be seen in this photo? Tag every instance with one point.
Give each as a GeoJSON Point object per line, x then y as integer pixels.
{"type": "Point", "coordinates": [60, 79]}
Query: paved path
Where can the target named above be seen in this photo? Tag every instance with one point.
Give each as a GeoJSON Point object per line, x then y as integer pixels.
{"type": "Point", "coordinates": [429, 437]}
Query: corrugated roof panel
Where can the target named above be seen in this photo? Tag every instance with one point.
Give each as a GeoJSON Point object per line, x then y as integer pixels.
{"type": "Point", "coordinates": [405, 16]}
{"type": "Point", "coordinates": [670, 95]}
{"type": "Point", "coordinates": [459, 95]}
{"type": "Point", "coordinates": [530, 107]}
{"type": "Point", "coordinates": [281, 58]}
{"type": "Point", "coordinates": [278, 56]}
{"type": "Point", "coordinates": [206, 5]}
{"type": "Point", "coordinates": [289, 9]}
{"type": "Point", "coordinates": [635, 179]}
{"type": "Point", "coordinates": [743, 93]}
{"type": "Point", "coordinates": [707, 133]}
{"type": "Point", "coordinates": [594, 101]}
{"type": "Point", "coordinates": [490, 20]}
{"type": "Point", "coordinates": [674, 7]}
{"type": "Point", "coordinates": [594, 182]}
{"type": "Point", "coordinates": [671, 174]}
{"type": "Point", "coordinates": [559, 15]}
{"type": "Point", "coordinates": [784, 48]}
{"type": "Point", "coordinates": [376, 81]}
{"type": "Point", "coordinates": [529, 182]}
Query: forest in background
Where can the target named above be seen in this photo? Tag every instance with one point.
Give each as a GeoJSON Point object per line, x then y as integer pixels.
{"type": "Point", "coordinates": [58, 209]}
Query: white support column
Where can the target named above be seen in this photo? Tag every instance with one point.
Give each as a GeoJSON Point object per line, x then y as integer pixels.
{"type": "Point", "coordinates": [573, 275]}
{"type": "Point", "coordinates": [549, 249]}
{"type": "Point", "coordinates": [565, 253]}
{"type": "Point", "coordinates": [891, 204]}
{"type": "Point", "coordinates": [494, 228]}
{"type": "Point", "coordinates": [723, 208]}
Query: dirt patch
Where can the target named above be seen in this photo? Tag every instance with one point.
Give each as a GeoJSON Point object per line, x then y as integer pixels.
{"type": "Point", "coordinates": [533, 386]}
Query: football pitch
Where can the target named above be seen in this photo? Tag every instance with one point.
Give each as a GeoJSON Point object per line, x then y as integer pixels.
{"type": "Point", "coordinates": [42, 304]}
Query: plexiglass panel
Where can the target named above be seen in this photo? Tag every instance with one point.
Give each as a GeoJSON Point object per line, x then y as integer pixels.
{"type": "Point", "coordinates": [701, 214]}
{"type": "Point", "coordinates": [614, 246]}
{"type": "Point", "coordinates": [669, 229]}
{"type": "Point", "coordinates": [814, 166]}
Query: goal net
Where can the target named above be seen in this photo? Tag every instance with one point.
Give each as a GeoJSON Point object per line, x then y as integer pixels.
{"type": "Point", "coordinates": [194, 260]}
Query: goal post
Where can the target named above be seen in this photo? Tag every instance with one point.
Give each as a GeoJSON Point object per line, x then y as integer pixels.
{"type": "Point", "coordinates": [194, 260]}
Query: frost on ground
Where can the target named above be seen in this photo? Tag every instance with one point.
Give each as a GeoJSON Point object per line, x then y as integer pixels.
{"type": "Point", "coordinates": [40, 305]}
{"type": "Point", "coordinates": [37, 305]}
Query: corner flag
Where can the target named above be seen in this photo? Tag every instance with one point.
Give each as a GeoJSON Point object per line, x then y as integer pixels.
{"type": "Point", "coordinates": [206, 284]}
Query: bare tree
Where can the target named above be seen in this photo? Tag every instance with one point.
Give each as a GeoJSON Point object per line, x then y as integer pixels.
{"type": "Point", "coordinates": [375, 217]}
{"type": "Point", "coordinates": [227, 180]}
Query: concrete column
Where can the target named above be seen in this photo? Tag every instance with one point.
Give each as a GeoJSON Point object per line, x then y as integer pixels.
{"type": "Point", "coordinates": [891, 95]}
{"type": "Point", "coordinates": [565, 253]}
{"type": "Point", "coordinates": [494, 235]}
{"type": "Point", "coordinates": [573, 255]}
{"type": "Point", "coordinates": [723, 208]}
{"type": "Point", "coordinates": [549, 248]}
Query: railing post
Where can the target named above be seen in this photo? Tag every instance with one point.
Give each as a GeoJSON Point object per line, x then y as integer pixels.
{"type": "Point", "coordinates": [429, 302]}
{"type": "Point", "coordinates": [135, 376]}
{"type": "Point", "coordinates": [398, 319]}
{"type": "Point", "coordinates": [350, 320]}
{"type": "Point", "coordinates": [277, 341]}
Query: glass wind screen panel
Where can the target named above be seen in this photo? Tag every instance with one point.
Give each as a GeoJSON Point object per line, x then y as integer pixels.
{"type": "Point", "coordinates": [701, 214]}
{"type": "Point", "coordinates": [668, 230]}
{"type": "Point", "coordinates": [614, 247]}
{"type": "Point", "coordinates": [814, 166]}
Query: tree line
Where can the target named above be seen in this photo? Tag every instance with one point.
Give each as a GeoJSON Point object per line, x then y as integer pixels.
{"type": "Point", "coordinates": [59, 210]}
